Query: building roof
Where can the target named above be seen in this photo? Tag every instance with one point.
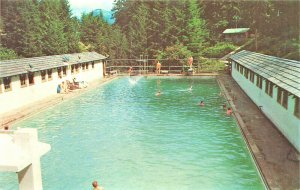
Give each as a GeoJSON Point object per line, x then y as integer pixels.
{"type": "Point", "coordinates": [19, 66]}
{"type": "Point", "coordinates": [284, 73]}
{"type": "Point", "coordinates": [236, 30]}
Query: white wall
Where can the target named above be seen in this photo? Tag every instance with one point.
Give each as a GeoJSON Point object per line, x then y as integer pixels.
{"type": "Point", "coordinates": [284, 119]}
{"type": "Point", "coordinates": [21, 96]}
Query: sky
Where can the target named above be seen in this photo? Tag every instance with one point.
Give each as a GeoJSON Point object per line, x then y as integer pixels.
{"type": "Point", "coordinates": [80, 6]}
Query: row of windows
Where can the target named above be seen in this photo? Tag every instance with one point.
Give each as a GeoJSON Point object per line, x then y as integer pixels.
{"type": "Point", "coordinates": [282, 95]}
{"type": "Point", "coordinates": [30, 75]}
{"type": "Point", "coordinates": [60, 71]}
{"type": "Point", "coordinates": [84, 67]}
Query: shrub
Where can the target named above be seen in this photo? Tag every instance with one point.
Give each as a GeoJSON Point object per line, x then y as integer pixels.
{"type": "Point", "coordinates": [6, 53]}
{"type": "Point", "coordinates": [210, 65]}
{"type": "Point", "coordinates": [219, 50]}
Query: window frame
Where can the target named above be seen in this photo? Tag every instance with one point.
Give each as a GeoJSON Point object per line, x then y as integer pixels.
{"type": "Point", "coordinates": [31, 82]}
{"type": "Point", "coordinates": [72, 69]}
{"type": "Point", "coordinates": [252, 76]}
{"type": "Point", "coordinates": [59, 72]}
{"type": "Point", "coordinates": [49, 74]}
{"type": "Point", "coordinates": [7, 87]}
{"type": "Point", "coordinates": [23, 80]}
{"type": "Point", "coordinates": [259, 81]}
{"type": "Point", "coordinates": [0, 85]}
{"type": "Point", "coordinates": [246, 73]}
{"type": "Point", "coordinates": [64, 70]}
{"type": "Point", "coordinates": [283, 97]}
{"type": "Point", "coordinates": [43, 75]}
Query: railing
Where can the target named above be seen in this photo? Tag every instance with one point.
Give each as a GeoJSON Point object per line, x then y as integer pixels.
{"type": "Point", "coordinates": [137, 69]}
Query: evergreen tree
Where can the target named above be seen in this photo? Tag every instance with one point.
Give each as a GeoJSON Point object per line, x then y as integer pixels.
{"type": "Point", "coordinates": [71, 27]}
{"type": "Point", "coordinates": [197, 32]}
{"type": "Point", "coordinates": [54, 39]}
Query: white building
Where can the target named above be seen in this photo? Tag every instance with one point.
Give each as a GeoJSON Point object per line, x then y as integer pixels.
{"type": "Point", "coordinates": [273, 84]}
{"type": "Point", "coordinates": [24, 81]}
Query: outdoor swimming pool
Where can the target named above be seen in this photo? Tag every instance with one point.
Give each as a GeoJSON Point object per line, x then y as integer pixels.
{"type": "Point", "coordinates": [127, 138]}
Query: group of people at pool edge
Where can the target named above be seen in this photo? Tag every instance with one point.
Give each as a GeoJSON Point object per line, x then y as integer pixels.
{"type": "Point", "coordinates": [158, 66]}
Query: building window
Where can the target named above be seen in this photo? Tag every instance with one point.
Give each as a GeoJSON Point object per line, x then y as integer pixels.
{"type": "Point", "coordinates": [269, 88]}
{"type": "Point", "coordinates": [252, 76]}
{"type": "Point", "coordinates": [297, 107]}
{"type": "Point", "coordinates": [65, 71]}
{"type": "Point", "coordinates": [83, 66]}
{"type": "Point", "coordinates": [43, 75]}
{"type": "Point", "coordinates": [77, 68]}
{"type": "Point", "coordinates": [246, 73]}
{"type": "Point", "coordinates": [0, 86]}
{"type": "Point", "coordinates": [93, 64]}
{"type": "Point", "coordinates": [72, 69]}
{"type": "Point", "coordinates": [31, 78]}
{"type": "Point", "coordinates": [23, 80]}
{"type": "Point", "coordinates": [285, 99]}
{"type": "Point", "coordinates": [259, 81]}
{"type": "Point", "coordinates": [7, 83]}
{"type": "Point", "coordinates": [87, 66]}
{"type": "Point", "coordinates": [241, 69]}
{"type": "Point", "coordinates": [49, 72]}
{"type": "Point", "coordinates": [282, 97]}
{"type": "Point", "coordinates": [59, 73]}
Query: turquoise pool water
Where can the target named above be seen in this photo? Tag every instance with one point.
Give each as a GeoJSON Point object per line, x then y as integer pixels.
{"type": "Point", "coordinates": [127, 138]}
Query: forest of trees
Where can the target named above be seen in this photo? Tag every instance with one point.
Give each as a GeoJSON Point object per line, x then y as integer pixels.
{"type": "Point", "coordinates": [161, 29]}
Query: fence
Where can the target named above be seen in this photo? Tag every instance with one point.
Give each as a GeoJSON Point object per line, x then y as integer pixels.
{"type": "Point", "coordinates": [148, 66]}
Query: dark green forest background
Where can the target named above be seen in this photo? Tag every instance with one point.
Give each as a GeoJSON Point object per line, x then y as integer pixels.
{"type": "Point", "coordinates": [161, 29]}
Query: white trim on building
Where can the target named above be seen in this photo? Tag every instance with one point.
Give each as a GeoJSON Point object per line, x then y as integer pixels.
{"type": "Point", "coordinates": [24, 81]}
{"type": "Point", "coordinates": [273, 84]}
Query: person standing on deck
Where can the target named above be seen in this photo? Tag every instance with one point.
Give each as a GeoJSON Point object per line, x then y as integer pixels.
{"type": "Point", "coordinates": [190, 62]}
{"type": "Point", "coordinates": [129, 71]}
{"type": "Point", "coordinates": [158, 67]}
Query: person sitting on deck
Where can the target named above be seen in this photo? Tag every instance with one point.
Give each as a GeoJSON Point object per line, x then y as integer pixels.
{"type": "Point", "coordinates": [96, 186]}
{"type": "Point", "coordinates": [202, 103]}
{"type": "Point", "coordinates": [229, 111]}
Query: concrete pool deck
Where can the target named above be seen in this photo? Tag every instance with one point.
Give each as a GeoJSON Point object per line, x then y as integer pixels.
{"type": "Point", "coordinates": [277, 159]}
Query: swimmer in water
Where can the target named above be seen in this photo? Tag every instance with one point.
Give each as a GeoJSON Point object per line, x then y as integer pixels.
{"type": "Point", "coordinates": [201, 103]}
{"type": "Point", "coordinates": [158, 93]}
{"type": "Point", "coordinates": [229, 111]}
{"type": "Point", "coordinates": [191, 88]}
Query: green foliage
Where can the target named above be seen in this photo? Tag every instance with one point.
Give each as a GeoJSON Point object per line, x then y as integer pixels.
{"type": "Point", "coordinates": [6, 54]}
{"type": "Point", "coordinates": [219, 50]}
{"type": "Point", "coordinates": [210, 65]}
{"type": "Point", "coordinates": [175, 53]}
{"type": "Point", "coordinates": [276, 46]}
{"type": "Point", "coordinates": [156, 28]}
{"type": "Point", "coordinates": [197, 32]}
